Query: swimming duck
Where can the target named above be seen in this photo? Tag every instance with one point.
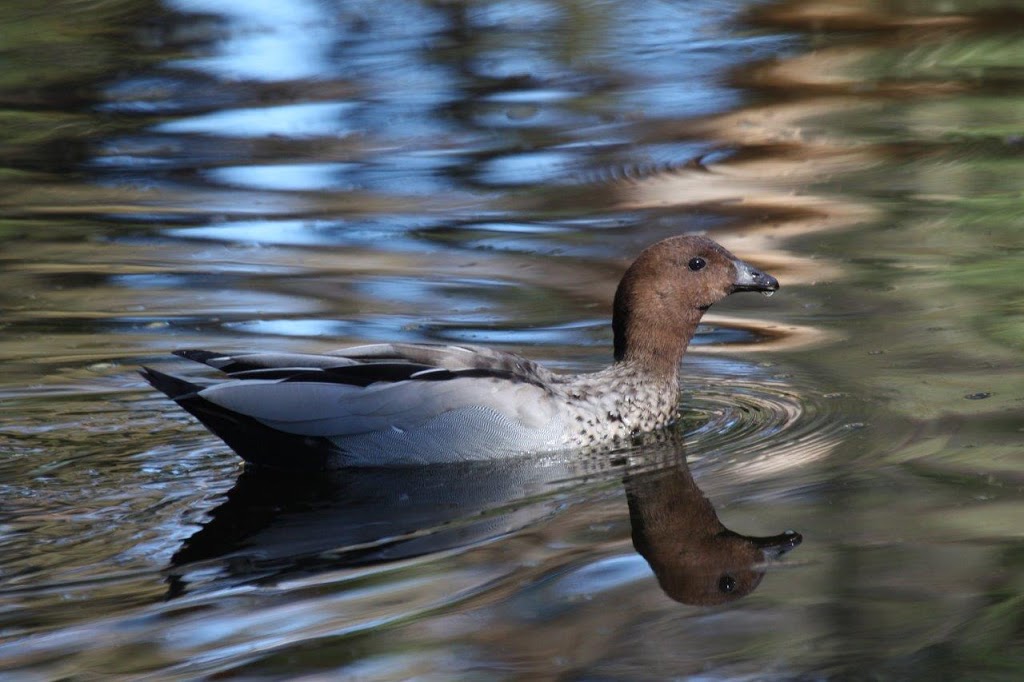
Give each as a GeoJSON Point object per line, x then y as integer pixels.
{"type": "Point", "coordinates": [397, 404]}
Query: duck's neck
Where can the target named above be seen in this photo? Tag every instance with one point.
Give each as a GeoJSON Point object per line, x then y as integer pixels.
{"type": "Point", "coordinates": [654, 341]}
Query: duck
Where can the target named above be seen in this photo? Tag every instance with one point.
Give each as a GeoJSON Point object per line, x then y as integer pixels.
{"type": "Point", "coordinates": [396, 404]}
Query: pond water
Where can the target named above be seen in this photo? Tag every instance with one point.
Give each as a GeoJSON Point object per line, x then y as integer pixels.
{"type": "Point", "coordinates": [301, 176]}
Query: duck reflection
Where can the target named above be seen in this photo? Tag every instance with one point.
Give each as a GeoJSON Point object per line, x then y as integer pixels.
{"type": "Point", "coordinates": [696, 559]}
{"type": "Point", "coordinates": [274, 525]}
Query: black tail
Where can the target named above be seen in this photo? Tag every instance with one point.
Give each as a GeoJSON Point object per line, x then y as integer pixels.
{"type": "Point", "coordinates": [175, 388]}
{"type": "Point", "coordinates": [254, 441]}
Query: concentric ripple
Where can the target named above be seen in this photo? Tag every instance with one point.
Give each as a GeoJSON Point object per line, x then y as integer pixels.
{"type": "Point", "coordinates": [752, 423]}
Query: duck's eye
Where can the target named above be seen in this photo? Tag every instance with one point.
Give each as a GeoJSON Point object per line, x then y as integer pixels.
{"type": "Point", "coordinates": [727, 584]}
{"type": "Point", "coordinates": [696, 264]}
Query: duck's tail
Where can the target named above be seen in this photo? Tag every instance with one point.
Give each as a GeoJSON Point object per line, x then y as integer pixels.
{"type": "Point", "coordinates": [254, 441]}
{"type": "Point", "coordinates": [176, 389]}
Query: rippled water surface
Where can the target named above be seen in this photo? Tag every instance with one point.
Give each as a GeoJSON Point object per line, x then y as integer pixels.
{"type": "Point", "coordinates": [300, 176]}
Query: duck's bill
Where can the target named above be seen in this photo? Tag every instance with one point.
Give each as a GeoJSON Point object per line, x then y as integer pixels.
{"type": "Point", "coordinates": [749, 278]}
{"type": "Point", "coordinates": [775, 546]}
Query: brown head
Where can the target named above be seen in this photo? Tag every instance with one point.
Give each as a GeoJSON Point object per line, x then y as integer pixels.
{"type": "Point", "coordinates": [667, 289]}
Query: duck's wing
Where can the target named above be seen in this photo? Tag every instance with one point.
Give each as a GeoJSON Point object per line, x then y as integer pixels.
{"type": "Point", "coordinates": [377, 362]}
{"type": "Point", "coordinates": [391, 396]}
{"type": "Point", "coordinates": [315, 406]}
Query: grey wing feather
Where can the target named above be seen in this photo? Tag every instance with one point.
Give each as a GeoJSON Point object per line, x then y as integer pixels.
{"type": "Point", "coordinates": [450, 357]}
{"type": "Point", "coordinates": [232, 363]}
{"type": "Point", "coordinates": [334, 410]}
{"type": "Point", "coordinates": [386, 355]}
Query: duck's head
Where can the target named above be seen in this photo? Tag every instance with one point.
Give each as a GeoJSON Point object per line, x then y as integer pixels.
{"type": "Point", "coordinates": [669, 286]}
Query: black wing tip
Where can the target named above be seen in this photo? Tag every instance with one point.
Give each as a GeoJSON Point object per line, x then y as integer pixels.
{"type": "Point", "coordinates": [197, 354]}
{"type": "Point", "coordinates": [173, 387]}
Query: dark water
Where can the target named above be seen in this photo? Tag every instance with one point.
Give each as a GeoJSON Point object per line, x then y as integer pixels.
{"type": "Point", "coordinates": [300, 176]}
